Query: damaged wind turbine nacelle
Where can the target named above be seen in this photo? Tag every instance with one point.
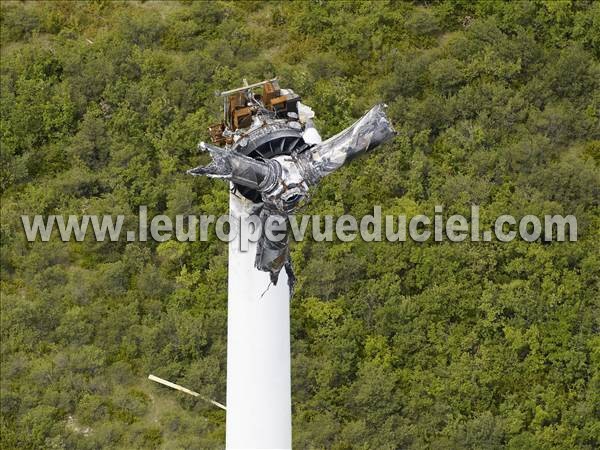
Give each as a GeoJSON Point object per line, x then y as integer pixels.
{"type": "Point", "coordinates": [283, 181]}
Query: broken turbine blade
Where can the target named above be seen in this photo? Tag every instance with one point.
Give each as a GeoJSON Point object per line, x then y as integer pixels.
{"type": "Point", "coordinates": [365, 134]}
{"type": "Point", "coordinates": [238, 168]}
{"type": "Point", "coordinates": [272, 255]}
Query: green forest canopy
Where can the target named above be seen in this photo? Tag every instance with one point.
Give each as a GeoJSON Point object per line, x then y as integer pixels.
{"type": "Point", "coordinates": [394, 345]}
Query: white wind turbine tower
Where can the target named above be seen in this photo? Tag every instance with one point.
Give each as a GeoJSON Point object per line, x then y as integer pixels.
{"type": "Point", "coordinates": [272, 155]}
